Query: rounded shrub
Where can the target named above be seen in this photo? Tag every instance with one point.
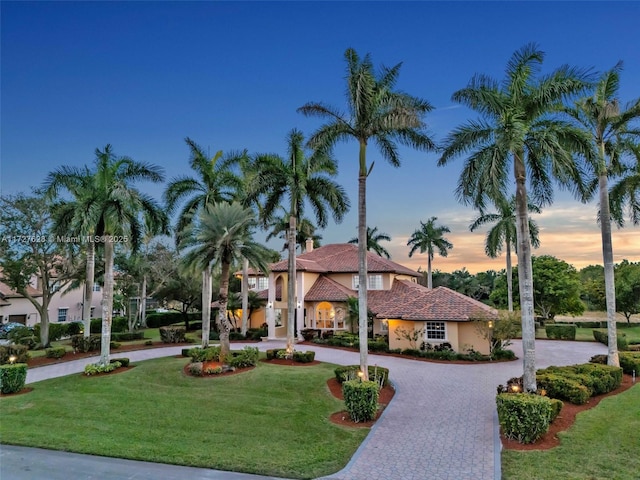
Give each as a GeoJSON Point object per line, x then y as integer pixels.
{"type": "Point", "coordinates": [361, 399]}
{"type": "Point", "coordinates": [12, 377]}
{"type": "Point", "coordinates": [56, 352]}
{"type": "Point", "coordinates": [525, 417]}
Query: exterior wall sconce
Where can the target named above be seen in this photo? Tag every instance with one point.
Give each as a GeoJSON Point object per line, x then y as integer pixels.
{"type": "Point", "coordinates": [269, 304]}
{"type": "Point", "coordinates": [299, 304]}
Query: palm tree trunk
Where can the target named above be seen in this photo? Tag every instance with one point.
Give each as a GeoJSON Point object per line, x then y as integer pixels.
{"type": "Point", "coordinates": [609, 281]}
{"type": "Point", "coordinates": [88, 288]}
{"type": "Point", "coordinates": [223, 323]}
{"type": "Point", "coordinates": [206, 305]}
{"type": "Point", "coordinates": [291, 288]}
{"type": "Point", "coordinates": [107, 302]}
{"type": "Point", "coordinates": [525, 276]}
{"type": "Point", "coordinates": [363, 324]}
{"type": "Point", "coordinates": [143, 303]}
{"type": "Point", "coordinates": [509, 277]}
{"type": "Point", "coordinates": [245, 296]}
{"type": "Point", "coordinates": [429, 274]}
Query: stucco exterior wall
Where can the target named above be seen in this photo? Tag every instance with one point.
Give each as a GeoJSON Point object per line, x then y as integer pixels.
{"type": "Point", "coordinates": [469, 336]}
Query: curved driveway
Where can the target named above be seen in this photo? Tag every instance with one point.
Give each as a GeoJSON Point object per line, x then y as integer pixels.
{"type": "Point", "coordinates": [441, 424]}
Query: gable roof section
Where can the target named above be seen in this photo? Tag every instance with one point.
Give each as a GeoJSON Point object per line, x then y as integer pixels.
{"type": "Point", "coordinates": [326, 289]}
{"type": "Point", "coordinates": [7, 292]}
{"type": "Point", "coordinates": [342, 258]}
{"type": "Point", "coordinates": [410, 301]}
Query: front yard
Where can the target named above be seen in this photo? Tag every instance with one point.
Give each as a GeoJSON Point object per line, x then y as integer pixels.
{"type": "Point", "coordinates": [272, 420]}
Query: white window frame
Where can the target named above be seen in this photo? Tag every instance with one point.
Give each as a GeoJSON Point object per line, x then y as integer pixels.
{"type": "Point", "coordinates": [374, 282]}
{"type": "Point", "coordinates": [433, 329]}
{"type": "Point", "coordinates": [96, 287]}
{"type": "Point", "coordinates": [63, 313]}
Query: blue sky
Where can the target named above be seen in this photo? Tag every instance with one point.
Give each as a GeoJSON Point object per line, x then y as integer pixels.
{"type": "Point", "coordinates": [144, 75]}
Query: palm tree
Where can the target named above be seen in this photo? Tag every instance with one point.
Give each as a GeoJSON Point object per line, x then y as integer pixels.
{"type": "Point", "coordinates": [375, 112]}
{"type": "Point", "coordinates": [303, 179]}
{"type": "Point", "coordinates": [600, 116]}
{"type": "Point", "coordinates": [373, 241]}
{"type": "Point", "coordinates": [214, 182]}
{"type": "Point", "coordinates": [279, 228]}
{"type": "Point", "coordinates": [115, 212]}
{"type": "Point", "coordinates": [519, 126]}
{"type": "Point", "coordinates": [222, 236]}
{"type": "Point", "coordinates": [625, 195]}
{"type": "Point", "coordinates": [429, 238]}
{"type": "Point", "coordinates": [504, 233]}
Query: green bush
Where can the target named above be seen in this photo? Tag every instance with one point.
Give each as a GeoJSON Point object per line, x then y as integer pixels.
{"type": "Point", "coordinates": [12, 377]}
{"type": "Point", "coordinates": [148, 343]}
{"type": "Point", "coordinates": [272, 353]}
{"type": "Point", "coordinates": [256, 333]}
{"type": "Point", "coordinates": [304, 357]}
{"type": "Point", "coordinates": [563, 388]}
{"type": "Point", "coordinates": [629, 361]}
{"type": "Point", "coordinates": [556, 406]}
{"type": "Point", "coordinates": [247, 357]}
{"type": "Point", "coordinates": [124, 362]}
{"type": "Point", "coordinates": [114, 345]}
{"type": "Point", "coordinates": [56, 331]}
{"type": "Point", "coordinates": [525, 417]}
{"type": "Point", "coordinates": [503, 354]}
{"type": "Point", "coordinates": [558, 331]}
{"type": "Point", "coordinates": [81, 344]}
{"type": "Point", "coordinates": [213, 335]}
{"type": "Point", "coordinates": [172, 334]}
{"type": "Point", "coordinates": [378, 346]}
{"type": "Point", "coordinates": [380, 375]}
{"type": "Point", "coordinates": [196, 369]}
{"type": "Point", "coordinates": [19, 333]}
{"type": "Point", "coordinates": [127, 336]}
{"type": "Point", "coordinates": [29, 342]}
{"type": "Point", "coordinates": [75, 328]}
{"type": "Point", "coordinates": [21, 352]}
{"type": "Point", "coordinates": [94, 369]}
{"type": "Point", "coordinates": [209, 354]}
{"type": "Point", "coordinates": [361, 399]}
{"type": "Point", "coordinates": [162, 319]}
{"type": "Point", "coordinates": [118, 324]}
{"type": "Point", "coordinates": [236, 336]}
{"type": "Point", "coordinates": [598, 378]}
{"type": "Point", "coordinates": [197, 325]}
{"type": "Point", "coordinates": [57, 352]}
{"type": "Point", "coordinates": [603, 337]}
{"type": "Point", "coordinates": [310, 333]}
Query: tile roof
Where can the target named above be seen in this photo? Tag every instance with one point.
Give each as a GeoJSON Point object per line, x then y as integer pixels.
{"type": "Point", "coordinates": [409, 301]}
{"type": "Point", "coordinates": [7, 292]}
{"type": "Point", "coordinates": [326, 289]}
{"type": "Point", "coordinates": [342, 258]}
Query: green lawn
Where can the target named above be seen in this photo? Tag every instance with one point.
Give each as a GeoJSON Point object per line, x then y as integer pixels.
{"type": "Point", "coordinates": [586, 334]}
{"type": "Point", "coordinates": [603, 444]}
{"type": "Point", "coordinates": [272, 420]}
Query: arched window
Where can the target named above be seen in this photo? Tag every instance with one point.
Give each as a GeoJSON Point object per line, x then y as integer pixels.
{"type": "Point", "coordinates": [324, 315]}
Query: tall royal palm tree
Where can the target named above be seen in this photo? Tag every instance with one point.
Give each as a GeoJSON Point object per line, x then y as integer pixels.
{"type": "Point", "coordinates": [378, 113]}
{"type": "Point", "coordinates": [214, 182]}
{"type": "Point", "coordinates": [373, 241]}
{"type": "Point", "coordinates": [72, 216]}
{"type": "Point", "coordinates": [519, 126]}
{"type": "Point", "coordinates": [612, 140]}
{"type": "Point", "coordinates": [301, 179]}
{"type": "Point", "coordinates": [117, 212]}
{"type": "Point", "coordinates": [221, 236]}
{"type": "Point", "coordinates": [503, 233]}
{"type": "Point", "coordinates": [305, 229]}
{"type": "Point", "coordinates": [429, 238]}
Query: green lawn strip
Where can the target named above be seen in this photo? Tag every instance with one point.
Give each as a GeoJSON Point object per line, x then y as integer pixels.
{"type": "Point", "coordinates": [602, 444]}
{"type": "Point", "coordinates": [272, 420]}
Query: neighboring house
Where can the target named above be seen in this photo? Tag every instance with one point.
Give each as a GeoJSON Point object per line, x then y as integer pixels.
{"type": "Point", "coordinates": [65, 306]}
{"type": "Point", "coordinates": [327, 276]}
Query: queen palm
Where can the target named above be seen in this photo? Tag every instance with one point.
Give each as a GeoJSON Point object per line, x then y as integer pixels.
{"type": "Point", "coordinates": [373, 241]}
{"type": "Point", "coordinates": [612, 140]}
{"type": "Point", "coordinates": [303, 179]}
{"type": "Point", "coordinates": [221, 236]}
{"type": "Point", "coordinates": [519, 126]}
{"type": "Point", "coordinates": [503, 233]}
{"type": "Point", "coordinates": [116, 211]}
{"type": "Point", "coordinates": [375, 112]}
{"type": "Point", "coordinates": [429, 238]}
{"type": "Point", "coordinates": [625, 194]}
{"type": "Point", "coordinates": [214, 182]}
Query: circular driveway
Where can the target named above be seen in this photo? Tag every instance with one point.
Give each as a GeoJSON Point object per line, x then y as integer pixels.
{"type": "Point", "coordinates": [441, 424]}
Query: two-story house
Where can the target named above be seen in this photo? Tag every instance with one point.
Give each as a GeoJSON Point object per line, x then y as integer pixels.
{"type": "Point", "coordinates": [327, 276]}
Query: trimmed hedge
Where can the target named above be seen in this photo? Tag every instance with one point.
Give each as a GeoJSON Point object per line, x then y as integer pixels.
{"type": "Point", "coordinates": [127, 336]}
{"type": "Point", "coordinates": [12, 377]}
{"type": "Point", "coordinates": [82, 344]}
{"type": "Point", "coordinates": [172, 334]}
{"type": "Point", "coordinates": [118, 324]}
{"type": "Point", "coordinates": [564, 388]}
{"type": "Point", "coordinates": [557, 331]}
{"type": "Point", "coordinates": [525, 417]}
{"type": "Point", "coordinates": [603, 337]}
{"type": "Point", "coordinates": [93, 369]}
{"type": "Point", "coordinates": [629, 361]}
{"type": "Point", "coordinates": [21, 352]}
{"type": "Point", "coordinates": [124, 362]}
{"type": "Point", "coordinates": [361, 399]}
{"type": "Point", "coordinates": [57, 352]}
{"type": "Point", "coordinates": [304, 357]}
{"type": "Point", "coordinates": [272, 353]}
{"type": "Point", "coordinates": [597, 378]}
{"type": "Point", "coordinates": [209, 354]}
{"type": "Point", "coordinates": [378, 374]}
{"type": "Point", "coordinates": [163, 319]}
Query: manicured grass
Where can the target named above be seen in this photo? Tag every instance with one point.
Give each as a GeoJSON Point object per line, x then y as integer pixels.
{"type": "Point", "coordinates": [272, 420]}
{"type": "Point", "coordinates": [601, 445]}
{"type": "Point", "coordinates": [586, 334]}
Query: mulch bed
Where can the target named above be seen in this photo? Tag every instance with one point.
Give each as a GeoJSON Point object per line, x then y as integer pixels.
{"type": "Point", "coordinates": [186, 371]}
{"type": "Point", "coordinates": [21, 392]}
{"type": "Point", "coordinates": [114, 372]}
{"type": "Point", "coordinates": [342, 417]}
{"type": "Point", "coordinates": [289, 362]}
{"type": "Point", "coordinates": [115, 352]}
{"type": "Point", "coordinates": [564, 421]}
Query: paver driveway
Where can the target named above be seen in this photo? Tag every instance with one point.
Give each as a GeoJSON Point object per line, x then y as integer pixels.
{"type": "Point", "coordinates": [441, 424]}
